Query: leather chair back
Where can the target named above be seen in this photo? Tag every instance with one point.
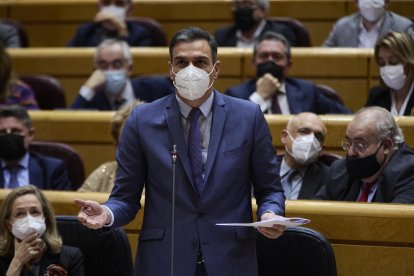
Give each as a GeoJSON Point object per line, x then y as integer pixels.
{"type": "Point", "coordinates": [299, 251]}
{"type": "Point", "coordinates": [72, 159]}
{"type": "Point", "coordinates": [48, 91]}
{"type": "Point", "coordinates": [106, 253]}
{"type": "Point", "coordinates": [21, 31]}
{"type": "Point", "coordinates": [158, 35]}
{"type": "Point", "coordinates": [301, 32]}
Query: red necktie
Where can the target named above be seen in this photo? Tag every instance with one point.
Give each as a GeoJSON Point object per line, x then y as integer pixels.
{"type": "Point", "coordinates": [275, 105]}
{"type": "Point", "coordinates": [365, 191]}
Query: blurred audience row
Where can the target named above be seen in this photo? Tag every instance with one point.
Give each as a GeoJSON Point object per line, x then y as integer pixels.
{"type": "Point", "coordinates": [251, 18]}
{"type": "Point", "coordinates": [110, 85]}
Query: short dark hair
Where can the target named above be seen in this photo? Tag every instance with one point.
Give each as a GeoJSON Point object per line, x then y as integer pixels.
{"type": "Point", "coordinates": [269, 35]}
{"type": "Point", "coordinates": [18, 112]}
{"type": "Point", "coordinates": [191, 34]}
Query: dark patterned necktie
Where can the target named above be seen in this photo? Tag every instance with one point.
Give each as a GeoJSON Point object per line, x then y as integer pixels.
{"type": "Point", "coordinates": [13, 170]}
{"type": "Point", "coordinates": [275, 105]}
{"type": "Point", "coordinates": [194, 149]}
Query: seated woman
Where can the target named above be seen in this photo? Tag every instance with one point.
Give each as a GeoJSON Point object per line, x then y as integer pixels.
{"type": "Point", "coordinates": [29, 242]}
{"type": "Point", "coordinates": [102, 179]}
{"type": "Point", "coordinates": [394, 54]}
{"type": "Point", "coordinates": [12, 90]}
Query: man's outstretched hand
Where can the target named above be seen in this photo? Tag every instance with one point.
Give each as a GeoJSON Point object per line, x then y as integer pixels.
{"type": "Point", "coordinates": [92, 214]}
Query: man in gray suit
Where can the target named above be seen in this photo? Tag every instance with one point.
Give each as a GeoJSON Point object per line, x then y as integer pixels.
{"type": "Point", "coordinates": [363, 28]}
{"type": "Point", "coordinates": [302, 175]}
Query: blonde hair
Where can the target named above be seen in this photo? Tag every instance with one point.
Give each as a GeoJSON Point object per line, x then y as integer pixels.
{"type": "Point", "coordinates": [402, 45]}
{"type": "Point", "coordinates": [118, 121]}
{"type": "Point", "coordinates": [51, 237]}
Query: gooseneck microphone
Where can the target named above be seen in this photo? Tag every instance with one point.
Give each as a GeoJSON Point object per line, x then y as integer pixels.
{"type": "Point", "coordinates": [174, 157]}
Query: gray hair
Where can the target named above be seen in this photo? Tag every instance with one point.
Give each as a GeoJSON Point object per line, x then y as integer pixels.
{"type": "Point", "coordinates": [386, 125]}
{"type": "Point", "coordinates": [113, 41]}
{"type": "Point", "coordinates": [270, 35]}
{"type": "Point", "coordinates": [264, 4]}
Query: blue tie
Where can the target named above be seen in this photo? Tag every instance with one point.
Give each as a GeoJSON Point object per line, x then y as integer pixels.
{"type": "Point", "coordinates": [194, 150]}
{"type": "Point", "coordinates": [13, 170]}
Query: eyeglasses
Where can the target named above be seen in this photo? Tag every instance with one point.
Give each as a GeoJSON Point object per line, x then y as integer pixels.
{"type": "Point", "coordinates": [358, 147]}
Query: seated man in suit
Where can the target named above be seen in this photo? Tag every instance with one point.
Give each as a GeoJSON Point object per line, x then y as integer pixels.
{"type": "Point", "coordinates": [302, 175]}
{"type": "Point", "coordinates": [378, 166]}
{"type": "Point", "coordinates": [109, 87]}
{"type": "Point", "coordinates": [110, 22]}
{"type": "Point", "coordinates": [20, 167]}
{"type": "Point", "coordinates": [249, 23]}
{"type": "Point", "coordinates": [273, 90]}
{"type": "Point", "coordinates": [363, 28]}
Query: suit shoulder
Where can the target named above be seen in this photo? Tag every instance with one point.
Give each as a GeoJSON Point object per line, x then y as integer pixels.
{"type": "Point", "coordinates": [238, 103]}
{"type": "Point", "coordinates": [400, 21]}
{"type": "Point", "coordinates": [47, 160]}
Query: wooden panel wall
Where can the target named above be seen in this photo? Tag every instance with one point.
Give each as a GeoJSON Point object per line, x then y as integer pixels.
{"type": "Point", "coordinates": [52, 23]}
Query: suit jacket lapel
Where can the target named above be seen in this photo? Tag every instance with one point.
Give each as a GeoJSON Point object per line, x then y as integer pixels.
{"type": "Point", "coordinates": [293, 101]}
{"type": "Point", "coordinates": [310, 182]}
{"type": "Point", "coordinates": [217, 126]}
{"type": "Point", "coordinates": [173, 118]}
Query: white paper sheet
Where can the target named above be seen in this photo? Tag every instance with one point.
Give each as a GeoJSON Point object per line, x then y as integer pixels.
{"type": "Point", "coordinates": [288, 222]}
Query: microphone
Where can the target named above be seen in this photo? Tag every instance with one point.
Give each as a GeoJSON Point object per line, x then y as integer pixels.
{"type": "Point", "coordinates": [174, 157]}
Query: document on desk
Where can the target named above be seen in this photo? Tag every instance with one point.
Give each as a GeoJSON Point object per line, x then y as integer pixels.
{"type": "Point", "coordinates": [288, 222]}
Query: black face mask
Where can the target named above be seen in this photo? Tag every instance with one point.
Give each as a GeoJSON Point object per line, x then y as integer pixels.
{"type": "Point", "coordinates": [269, 67]}
{"type": "Point", "coordinates": [360, 168]}
{"type": "Point", "coordinates": [244, 19]}
{"type": "Point", "coordinates": [12, 147]}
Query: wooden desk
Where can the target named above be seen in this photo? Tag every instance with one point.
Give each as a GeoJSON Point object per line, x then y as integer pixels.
{"type": "Point", "coordinates": [351, 72]}
{"type": "Point", "coordinates": [368, 239]}
{"type": "Point", "coordinates": [52, 23]}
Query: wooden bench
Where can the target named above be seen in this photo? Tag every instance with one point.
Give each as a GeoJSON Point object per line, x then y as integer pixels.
{"type": "Point", "coordinates": [368, 239]}
{"type": "Point", "coordinates": [89, 132]}
{"type": "Point", "coordinates": [52, 23]}
{"type": "Point", "coordinates": [351, 72]}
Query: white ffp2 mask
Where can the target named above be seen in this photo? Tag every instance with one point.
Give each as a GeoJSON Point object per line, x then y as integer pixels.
{"type": "Point", "coordinates": [192, 82]}
{"type": "Point", "coordinates": [305, 148]}
{"type": "Point", "coordinates": [371, 10]}
{"type": "Point", "coordinates": [393, 76]}
{"type": "Point", "coordinates": [23, 227]}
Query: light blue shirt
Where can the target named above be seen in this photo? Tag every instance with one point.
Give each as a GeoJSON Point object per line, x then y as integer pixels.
{"type": "Point", "coordinates": [22, 173]}
{"type": "Point", "coordinates": [291, 185]}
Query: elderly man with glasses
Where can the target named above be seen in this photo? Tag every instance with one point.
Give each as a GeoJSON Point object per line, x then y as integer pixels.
{"type": "Point", "coordinates": [378, 166]}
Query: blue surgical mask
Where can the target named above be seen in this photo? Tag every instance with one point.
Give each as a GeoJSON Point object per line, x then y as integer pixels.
{"type": "Point", "coordinates": [115, 81]}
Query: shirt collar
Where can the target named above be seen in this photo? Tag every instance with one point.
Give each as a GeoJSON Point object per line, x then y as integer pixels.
{"type": "Point", "coordinates": [255, 35]}
{"type": "Point", "coordinates": [285, 169]}
{"type": "Point", "coordinates": [205, 107]}
{"type": "Point", "coordinates": [24, 162]}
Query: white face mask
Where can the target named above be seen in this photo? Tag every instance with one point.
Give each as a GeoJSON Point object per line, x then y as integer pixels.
{"type": "Point", "coordinates": [305, 148]}
{"type": "Point", "coordinates": [192, 82]}
{"type": "Point", "coordinates": [119, 12]}
{"type": "Point", "coordinates": [23, 227]}
{"type": "Point", "coordinates": [371, 10]}
{"type": "Point", "coordinates": [115, 81]}
{"type": "Point", "coordinates": [393, 76]}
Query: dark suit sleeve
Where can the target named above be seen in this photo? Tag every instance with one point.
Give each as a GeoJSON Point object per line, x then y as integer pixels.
{"type": "Point", "coordinates": [138, 36]}
{"type": "Point", "coordinates": [80, 103]}
{"type": "Point", "coordinates": [59, 177]}
{"type": "Point", "coordinates": [72, 259]}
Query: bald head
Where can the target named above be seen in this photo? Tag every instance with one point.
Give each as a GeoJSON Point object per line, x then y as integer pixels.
{"type": "Point", "coordinates": [305, 123]}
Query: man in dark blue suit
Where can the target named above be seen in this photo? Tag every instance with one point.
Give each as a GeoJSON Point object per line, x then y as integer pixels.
{"type": "Point", "coordinates": [110, 22]}
{"type": "Point", "coordinates": [20, 167]}
{"type": "Point", "coordinates": [249, 23]}
{"type": "Point", "coordinates": [109, 87]}
{"type": "Point", "coordinates": [273, 90]}
{"type": "Point", "coordinates": [222, 153]}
